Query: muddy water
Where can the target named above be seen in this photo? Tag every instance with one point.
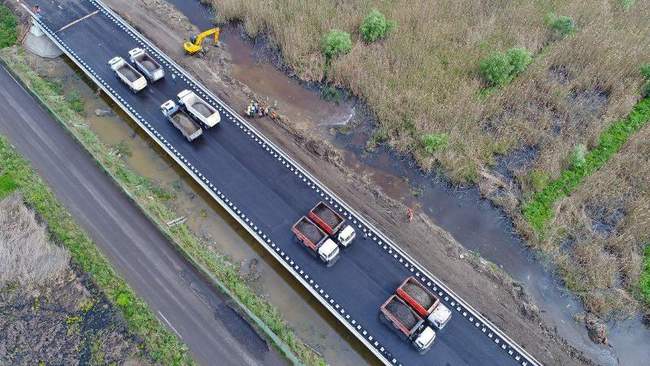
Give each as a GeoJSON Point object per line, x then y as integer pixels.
{"type": "Point", "coordinates": [473, 221]}
{"type": "Point", "coordinates": [483, 228]}
{"type": "Point", "coordinates": [211, 223]}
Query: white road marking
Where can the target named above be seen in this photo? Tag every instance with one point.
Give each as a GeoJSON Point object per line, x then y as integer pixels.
{"type": "Point", "coordinates": [170, 325]}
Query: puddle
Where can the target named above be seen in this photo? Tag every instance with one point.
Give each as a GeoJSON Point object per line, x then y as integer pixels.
{"type": "Point", "coordinates": [209, 221]}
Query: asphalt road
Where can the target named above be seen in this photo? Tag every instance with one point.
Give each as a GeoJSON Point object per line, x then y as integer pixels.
{"type": "Point", "coordinates": [179, 297]}
{"type": "Point", "coordinates": [261, 187]}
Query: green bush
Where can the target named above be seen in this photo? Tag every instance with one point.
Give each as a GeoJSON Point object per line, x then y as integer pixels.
{"type": "Point", "coordinates": [645, 91]}
{"type": "Point", "coordinates": [578, 156]}
{"type": "Point", "coordinates": [375, 26]}
{"type": "Point", "coordinates": [519, 59]}
{"type": "Point", "coordinates": [496, 69]}
{"type": "Point", "coordinates": [7, 185]}
{"type": "Point", "coordinates": [627, 4]}
{"type": "Point", "coordinates": [538, 179]}
{"type": "Point", "coordinates": [563, 25]}
{"type": "Point", "coordinates": [336, 43]}
{"type": "Point", "coordinates": [8, 32]}
{"type": "Point", "coordinates": [434, 141]}
{"type": "Point", "coordinates": [75, 102]}
{"type": "Point", "coordinates": [645, 71]}
{"type": "Point", "coordinates": [499, 68]}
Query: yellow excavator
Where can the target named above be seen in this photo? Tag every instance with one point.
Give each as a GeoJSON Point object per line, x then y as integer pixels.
{"type": "Point", "coordinates": [195, 45]}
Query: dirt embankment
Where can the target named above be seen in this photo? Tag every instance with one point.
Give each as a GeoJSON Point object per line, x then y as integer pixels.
{"type": "Point", "coordinates": [488, 289]}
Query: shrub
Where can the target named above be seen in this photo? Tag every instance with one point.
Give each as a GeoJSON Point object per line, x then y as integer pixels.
{"type": "Point", "coordinates": [336, 43]}
{"type": "Point", "coordinates": [644, 281]}
{"type": "Point", "coordinates": [434, 141]}
{"type": "Point", "coordinates": [538, 179]}
{"type": "Point", "coordinates": [8, 32]}
{"type": "Point", "coordinates": [645, 71]}
{"type": "Point", "coordinates": [578, 156]}
{"type": "Point", "coordinates": [645, 92]}
{"type": "Point", "coordinates": [627, 4]}
{"type": "Point", "coordinates": [563, 25]}
{"type": "Point", "coordinates": [75, 102]}
{"type": "Point", "coordinates": [496, 69]}
{"type": "Point", "coordinates": [519, 58]}
{"type": "Point", "coordinates": [499, 68]}
{"type": "Point", "coordinates": [375, 26]}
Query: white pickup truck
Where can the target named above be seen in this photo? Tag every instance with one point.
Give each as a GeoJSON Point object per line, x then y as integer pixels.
{"type": "Point", "coordinates": [199, 108]}
{"type": "Point", "coordinates": [146, 64]}
{"type": "Point", "coordinates": [129, 76]}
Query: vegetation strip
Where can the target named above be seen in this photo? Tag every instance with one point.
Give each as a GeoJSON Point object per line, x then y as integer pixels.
{"type": "Point", "coordinates": [150, 199]}
{"type": "Point", "coordinates": [160, 344]}
{"type": "Point", "coordinates": [539, 210]}
{"type": "Point", "coordinates": [644, 281]}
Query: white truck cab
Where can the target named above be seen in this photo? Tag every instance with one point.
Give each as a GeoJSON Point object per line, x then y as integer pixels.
{"type": "Point", "coordinates": [328, 251]}
{"type": "Point", "coordinates": [425, 339]}
{"type": "Point", "coordinates": [440, 316]}
{"type": "Point", "coordinates": [346, 236]}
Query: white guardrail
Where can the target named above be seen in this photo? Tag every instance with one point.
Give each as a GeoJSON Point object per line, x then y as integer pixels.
{"type": "Point", "coordinates": [500, 339]}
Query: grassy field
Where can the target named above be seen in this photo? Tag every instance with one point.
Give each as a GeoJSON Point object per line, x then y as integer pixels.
{"type": "Point", "coordinates": [424, 77]}
{"type": "Point", "coordinates": [534, 142]}
{"type": "Point", "coordinates": [153, 200]}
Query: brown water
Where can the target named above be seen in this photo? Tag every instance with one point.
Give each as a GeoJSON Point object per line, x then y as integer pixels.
{"type": "Point", "coordinates": [210, 222]}
{"type": "Point", "coordinates": [473, 221]}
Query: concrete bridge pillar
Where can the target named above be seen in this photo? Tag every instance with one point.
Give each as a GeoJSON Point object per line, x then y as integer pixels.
{"type": "Point", "coordinates": [38, 43]}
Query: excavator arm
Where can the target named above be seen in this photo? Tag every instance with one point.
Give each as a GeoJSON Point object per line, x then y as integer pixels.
{"type": "Point", "coordinates": [196, 45]}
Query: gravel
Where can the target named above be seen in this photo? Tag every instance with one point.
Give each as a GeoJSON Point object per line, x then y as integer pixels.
{"type": "Point", "coordinates": [419, 295]}
{"type": "Point", "coordinates": [403, 312]}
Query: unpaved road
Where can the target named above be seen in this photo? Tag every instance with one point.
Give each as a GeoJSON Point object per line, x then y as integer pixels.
{"type": "Point", "coordinates": [176, 293]}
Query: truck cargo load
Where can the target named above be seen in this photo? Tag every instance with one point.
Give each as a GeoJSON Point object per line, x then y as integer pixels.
{"type": "Point", "coordinates": [408, 323]}
{"type": "Point", "coordinates": [424, 302]}
{"type": "Point", "coordinates": [129, 76]}
{"type": "Point", "coordinates": [199, 108]}
{"type": "Point", "coordinates": [316, 240]}
{"type": "Point", "coordinates": [146, 64]}
{"type": "Point", "coordinates": [181, 121]}
{"type": "Point", "coordinates": [332, 223]}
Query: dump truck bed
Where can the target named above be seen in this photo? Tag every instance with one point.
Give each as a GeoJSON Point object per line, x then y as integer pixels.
{"type": "Point", "coordinates": [327, 216]}
{"type": "Point", "coordinates": [148, 63]}
{"type": "Point", "coordinates": [184, 123]}
{"type": "Point", "coordinates": [398, 311]}
{"type": "Point", "coordinates": [310, 230]}
{"type": "Point", "coordinates": [416, 295]}
{"type": "Point", "coordinates": [128, 72]}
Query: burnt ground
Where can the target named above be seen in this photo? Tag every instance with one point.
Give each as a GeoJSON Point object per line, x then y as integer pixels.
{"type": "Point", "coordinates": [485, 287]}
{"type": "Point", "coordinates": [68, 323]}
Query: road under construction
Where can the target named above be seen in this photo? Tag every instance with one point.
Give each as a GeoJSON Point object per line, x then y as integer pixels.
{"type": "Point", "coordinates": [266, 192]}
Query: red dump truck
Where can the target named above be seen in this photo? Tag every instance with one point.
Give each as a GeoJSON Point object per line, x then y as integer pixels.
{"type": "Point", "coordinates": [316, 241]}
{"type": "Point", "coordinates": [410, 326]}
{"type": "Point", "coordinates": [424, 302]}
{"type": "Point", "coordinates": [332, 223]}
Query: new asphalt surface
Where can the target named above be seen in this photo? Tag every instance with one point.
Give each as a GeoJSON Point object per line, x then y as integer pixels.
{"type": "Point", "coordinates": [179, 297]}
{"type": "Point", "coordinates": [268, 193]}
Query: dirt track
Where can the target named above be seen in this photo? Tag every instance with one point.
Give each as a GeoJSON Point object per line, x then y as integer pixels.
{"type": "Point", "coordinates": [487, 289]}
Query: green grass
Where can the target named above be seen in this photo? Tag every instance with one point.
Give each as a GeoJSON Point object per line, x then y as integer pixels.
{"type": "Point", "coordinates": [152, 200]}
{"type": "Point", "coordinates": [7, 185]}
{"type": "Point", "coordinates": [159, 343]}
{"type": "Point", "coordinates": [8, 31]}
{"type": "Point", "coordinates": [539, 210]}
{"type": "Point", "coordinates": [644, 281]}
